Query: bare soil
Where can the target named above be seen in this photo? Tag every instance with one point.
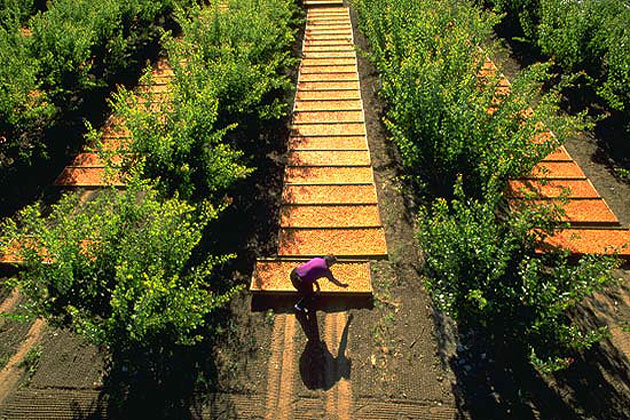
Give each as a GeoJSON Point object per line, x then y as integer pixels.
{"type": "Point", "coordinates": [382, 355]}
{"type": "Point", "coordinates": [23, 362]}
{"type": "Point", "coordinates": [83, 364]}
{"type": "Point", "coordinates": [402, 361]}
{"type": "Point", "coordinates": [12, 333]}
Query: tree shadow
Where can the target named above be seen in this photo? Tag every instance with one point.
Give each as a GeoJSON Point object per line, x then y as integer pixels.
{"type": "Point", "coordinates": [319, 369]}
{"type": "Point", "coordinates": [96, 410]}
{"type": "Point", "coordinates": [283, 303]}
{"type": "Point", "coordinates": [496, 380]}
{"type": "Point", "coordinates": [161, 380]}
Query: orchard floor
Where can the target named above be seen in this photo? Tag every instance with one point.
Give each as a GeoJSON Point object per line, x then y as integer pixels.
{"type": "Point", "coordinates": [391, 358]}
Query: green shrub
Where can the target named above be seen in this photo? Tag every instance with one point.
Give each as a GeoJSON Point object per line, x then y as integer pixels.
{"type": "Point", "coordinates": [437, 112]}
{"type": "Point", "coordinates": [181, 146]}
{"type": "Point", "coordinates": [76, 47]}
{"type": "Point", "coordinates": [248, 53]}
{"type": "Point", "coordinates": [579, 34]}
{"type": "Point", "coordinates": [80, 46]}
{"type": "Point", "coordinates": [482, 271]}
{"type": "Point", "coordinates": [25, 110]}
{"type": "Point", "coordinates": [15, 12]}
{"type": "Point", "coordinates": [120, 269]}
{"type": "Point", "coordinates": [589, 35]}
{"type": "Point", "coordinates": [480, 254]}
{"type": "Point", "coordinates": [615, 89]}
{"type": "Point", "coordinates": [564, 32]}
{"type": "Point", "coordinates": [230, 75]}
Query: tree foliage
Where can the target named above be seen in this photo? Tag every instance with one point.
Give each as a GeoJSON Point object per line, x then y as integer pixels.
{"type": "Point", "coordinates": [484, 272]}
{"type": "Point", "coordinates": [14, 12]}
{"type": "Point", "coordinates": [438, 109]}
{"type": "Point", "coordinates": [591, 36]}
{"type": "Point", "coordinates": [124, 268]}
{"type": "Point", "coordinates": [52, 61]}
{"type": "Point", "coordinates": [230, 79]}
{"type": "Point", "coordinates": [120, 268]}
{"type": "Point", "coordinates": [462, 141]}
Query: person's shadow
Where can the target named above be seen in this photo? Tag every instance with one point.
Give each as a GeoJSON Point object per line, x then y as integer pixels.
{"type": "Point", "coordinates": [318, 368]}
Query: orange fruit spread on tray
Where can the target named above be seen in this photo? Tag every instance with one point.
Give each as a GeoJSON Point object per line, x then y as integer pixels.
{"type": "Point", "coordinates": [329, 194]}
{"type": "Point", "coordinates": [87, 176]}
{"type": "Point", "coordinates": [350, 242]}
{"type": "Point", "coordinates": [592, 211]}
{"type": "Point", "coordinates": [558, 175]}
{"type": "Point", "coordinates": [552, 188]}
{"type": "Point", "coordinates": [329, 202]}
{"type": "Point", "coordinates": [334, 84]}
{"type": "Point", "coordinates": [356, 174]}
{"type": "Point", "coordinates": [320, 94]}
{"type": "Point", "coordinates": [351, 129]}
{"type": "Point", "coordinates": [347, 105]}
{"type": "Point", "coordinates": [328, 142]}
{"type": "Point", "coordinates": [329, 216]}
{"type": "Point", "coordinates": [589, 241]}
{"type": "Point", "coordinates": [329, 157]}
{"type": "Point", "coordinates": [274, 276]}
{"type": "Point", "coordinates": [557, 170]}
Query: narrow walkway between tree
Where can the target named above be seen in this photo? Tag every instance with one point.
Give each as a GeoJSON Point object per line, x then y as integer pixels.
{"type": "Point", "coordinates": [594, 227]}
{"type": "Point", "coordinates": [329, 206]}
{"type": "Point", "coordinates": [87, 172]}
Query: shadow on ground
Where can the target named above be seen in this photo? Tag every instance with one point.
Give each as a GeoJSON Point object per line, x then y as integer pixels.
{"type": "Point", "coordinates": [283, 304]}
{"type": "Point", "coordinates": [497, 381]}
{"type": "Point", "coordinates": [319, 369]}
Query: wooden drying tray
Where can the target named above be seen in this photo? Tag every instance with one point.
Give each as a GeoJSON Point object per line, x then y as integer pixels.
{"type": "Point", "coordinates": [589, 241]}
{"type": "Point", "coordinates": [10, 255]}
{"type": "Point", "coordinates": [359, 243]}
{"type": "Point", "coordinates": [272, 276]}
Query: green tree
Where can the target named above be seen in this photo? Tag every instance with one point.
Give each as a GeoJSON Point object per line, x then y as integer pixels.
{"type": "Point", "coordinates": [484, 272]}
{"type": "Point", "coordinates": [462, 138]}
{"type": "Point", "coordinates": [25, 110]}
{"type": "Point", "coordinates": [230, 75]}
{"type": "Point", "coordinates": [121, 268]}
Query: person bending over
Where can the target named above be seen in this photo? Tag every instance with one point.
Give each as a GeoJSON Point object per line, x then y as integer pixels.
{"type": "Point", "coordinates": [304, 276]}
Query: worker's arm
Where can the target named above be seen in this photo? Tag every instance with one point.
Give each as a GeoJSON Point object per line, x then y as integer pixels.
{"type": "Point", "coordinates": [319, 289]}
{"type": "Point", "coordinates": [335, 281]}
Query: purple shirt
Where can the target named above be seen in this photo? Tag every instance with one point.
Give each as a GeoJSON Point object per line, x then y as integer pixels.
{"type": "Point", "coordinates": [313, 270]}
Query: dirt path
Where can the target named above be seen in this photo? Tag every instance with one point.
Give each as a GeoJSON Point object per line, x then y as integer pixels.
{"type": "Point", "coordinates": [285, 392]}
{"type": "Point", "coordinates": [352, 369]}
{"type": "Point", "coordinates": [339, 398]}
{"type": "Point", "coordinates": [7, 305]}
{"type": "Point", "coordinates": [327, 109]}
{"type": "Point", "coordinates": [11, 373]}
{"type": "Point", "coordinates": [274, 367]}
